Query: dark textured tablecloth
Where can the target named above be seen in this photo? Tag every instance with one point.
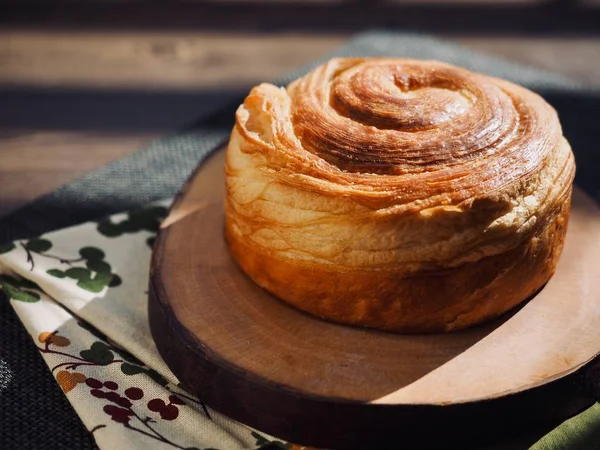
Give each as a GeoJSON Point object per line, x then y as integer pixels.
{"type": "Point", "coordinates": [34, 414]}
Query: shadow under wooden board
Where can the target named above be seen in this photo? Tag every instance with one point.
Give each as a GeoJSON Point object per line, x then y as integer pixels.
{"type": "Point", "coordinates": [268, 365]}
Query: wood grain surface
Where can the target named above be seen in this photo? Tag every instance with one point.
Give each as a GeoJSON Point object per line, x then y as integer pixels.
{"type": "Point", "coordinates": [280, 370]}
{"type": "Point", "coordinates": [73, 100]}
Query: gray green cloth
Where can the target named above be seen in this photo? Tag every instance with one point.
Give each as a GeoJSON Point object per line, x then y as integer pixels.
{"type": "Point", "coordinates": [582, 432]}
{"type": "Point", "coordinates": [34, 413]}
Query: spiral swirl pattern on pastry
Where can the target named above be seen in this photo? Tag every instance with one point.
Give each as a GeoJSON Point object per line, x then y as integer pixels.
{"type": "Point", "coordinates": [360, 187]}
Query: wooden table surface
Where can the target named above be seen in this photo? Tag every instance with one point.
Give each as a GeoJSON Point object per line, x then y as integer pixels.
{"type": "Point", "coordinates": [71, 101]}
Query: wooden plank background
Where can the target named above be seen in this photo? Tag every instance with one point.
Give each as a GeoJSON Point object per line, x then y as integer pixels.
{"type": "Point", "coordinates": [86, 83]}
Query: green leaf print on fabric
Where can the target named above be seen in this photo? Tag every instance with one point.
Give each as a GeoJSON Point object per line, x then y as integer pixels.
{"type": "Point", "coordinates": [57, 273]}
{"type": "Point", "coordinates": [5, 248]}
{"type": "Point", "coordinates": [77, 272]}
{"type": "Point", "coordinates": [95, 276]}
{"type": "Point", "coordinates": [130, 365]}
{"type": "Point", "coordinates": [97, 266]}
{"type": "Point", "coordinates": [93, 330]}
{"type": "Point", "coordinates": [92, 253]}
{"type": "Point", "coordinates": [131, 369]}
{"type": "Point", "coordinates": [150, 241]}
{"type": "Point", "coordinates": [115, 281]}
{"type": "Point", "coordinates": [98, 353]}
{"type": "Point", "coordinates": [38, 245]}
{"type": "Point", "coordinates": [147, 219]}
{"type": "Point", "coordinates": [19, 289]}
{"type": "Point", "coordinates": [134, 369]}
{"type": "Point", "coordinates": [265, 443]}
{"type": "Point", "coordinates": [96, 284]}
{"type": "Point", "coordinates": [126, 356]}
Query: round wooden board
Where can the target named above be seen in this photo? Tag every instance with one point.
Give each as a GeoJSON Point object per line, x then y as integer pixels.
{"type": "Point", "coordinates": [266, 364]}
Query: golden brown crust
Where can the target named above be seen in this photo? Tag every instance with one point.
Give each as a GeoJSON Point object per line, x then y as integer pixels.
{"type": "Point", "coordinates": [436, 301]}
{"type": "Point", "coordinates": [403, 195]}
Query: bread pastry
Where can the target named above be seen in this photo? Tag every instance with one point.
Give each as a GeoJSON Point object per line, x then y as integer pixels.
{"type": "Point", "coordinates": [403, 195]}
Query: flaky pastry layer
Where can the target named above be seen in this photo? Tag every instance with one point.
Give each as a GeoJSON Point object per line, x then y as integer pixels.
{"type": "Point", "coordinates": [397, 194]}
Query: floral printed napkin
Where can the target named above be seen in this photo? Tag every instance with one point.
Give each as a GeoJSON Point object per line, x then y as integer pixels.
{"type": "Point", "coordinates": [81, 294]}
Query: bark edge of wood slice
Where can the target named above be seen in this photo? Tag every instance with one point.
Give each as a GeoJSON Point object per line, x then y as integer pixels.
{"type": "Point", "coordinates": [270, 366]}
